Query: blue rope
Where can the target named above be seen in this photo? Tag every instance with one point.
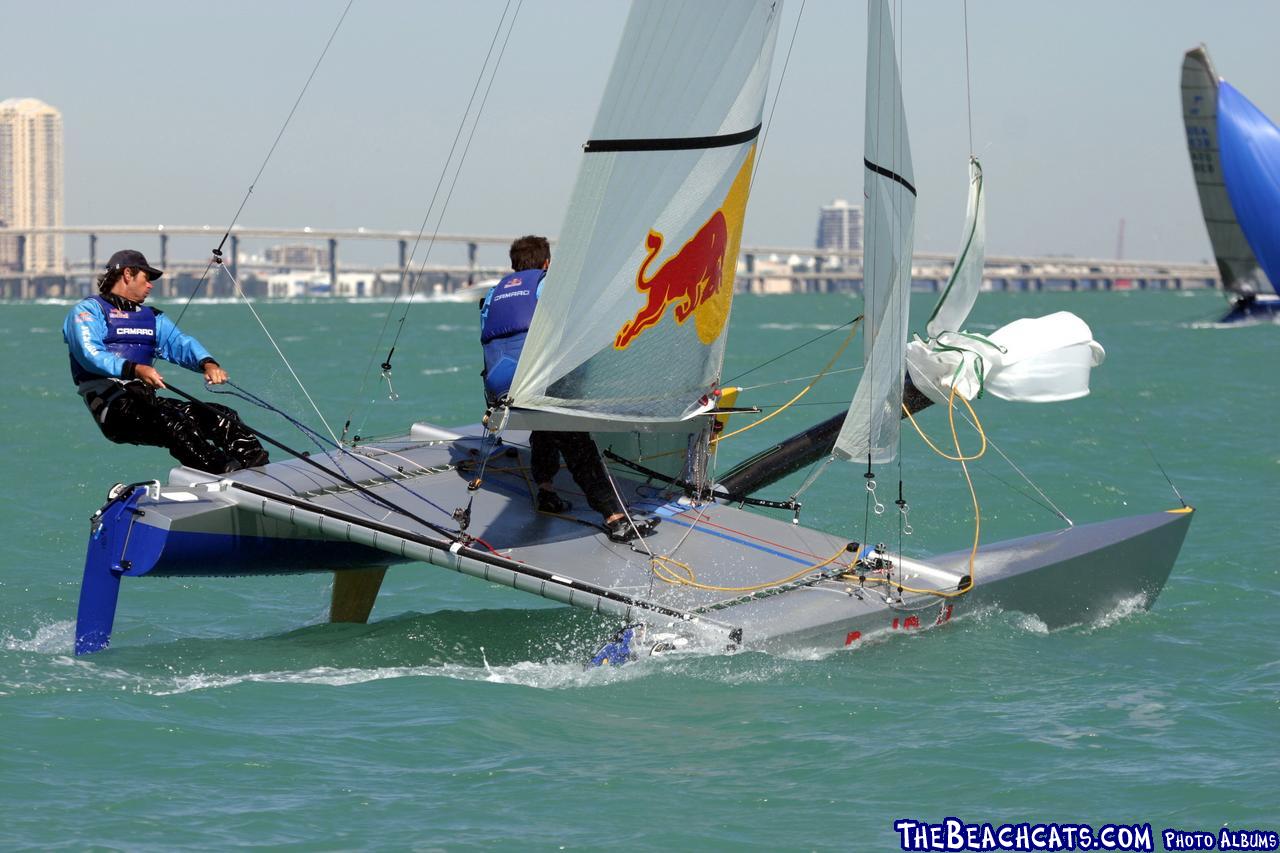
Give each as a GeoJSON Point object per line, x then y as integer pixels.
{"type": "Point", "coordinates": [320, 440]}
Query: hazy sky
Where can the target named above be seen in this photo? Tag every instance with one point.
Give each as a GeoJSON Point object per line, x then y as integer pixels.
{"type": "Point", "coordinates": [170, 108]}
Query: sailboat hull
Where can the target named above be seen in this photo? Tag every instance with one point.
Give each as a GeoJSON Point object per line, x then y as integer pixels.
{"type": "Point", "coordinates": [714, 573]}
{"type": "Point", "coordinates": [1259, 308]}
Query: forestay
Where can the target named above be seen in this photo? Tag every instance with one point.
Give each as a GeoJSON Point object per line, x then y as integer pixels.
{"type": "Point", "coordinates": [871, 427]}
{"type": "Point", "coordinates": [630, 328]}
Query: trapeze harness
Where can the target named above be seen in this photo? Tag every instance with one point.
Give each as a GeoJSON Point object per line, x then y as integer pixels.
{"type": "Point", "coordinates": [131, 334]}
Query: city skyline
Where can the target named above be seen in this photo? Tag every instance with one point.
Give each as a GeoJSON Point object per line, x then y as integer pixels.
{"type": "Point", "coordinates": [1075, 114]}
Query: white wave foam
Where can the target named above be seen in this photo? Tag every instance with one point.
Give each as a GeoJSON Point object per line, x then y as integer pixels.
{"type": "Point", "coordinates": [791, 327]}
{"type": "Point", "coordinates": [542, 676]}
{"type": "Point", "coordinates": [434, 371]}
{"type": "Point", "coordinates": [1123, 610]}
{"type": "Point", "coordinates": [54, 638]}
{"type": "Point", "coordinates": [1031, 624]}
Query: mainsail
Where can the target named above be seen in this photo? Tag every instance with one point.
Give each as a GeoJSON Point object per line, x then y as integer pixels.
{"type": "Point", "coordinates": [1235, 156]}
{"type": "Point", "coordinates": [630, 329]}
{"type": "Point", "coordinates": [871, 427]}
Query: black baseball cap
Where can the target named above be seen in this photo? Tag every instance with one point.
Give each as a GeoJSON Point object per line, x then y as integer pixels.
{"type": "Point", "coordinates": [133, 258]}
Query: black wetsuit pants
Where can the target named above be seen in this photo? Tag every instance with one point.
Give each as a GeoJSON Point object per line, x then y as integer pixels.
{"type": "Point", "coordinates": [207, 437]}
{"type": "Point", "coordinates": [582, 458]}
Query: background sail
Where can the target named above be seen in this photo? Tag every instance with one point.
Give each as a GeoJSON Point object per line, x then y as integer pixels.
{"type": "Point", "coordinates": [1236, 261]}
{"type": "Point", "coordinates": [630, 326]}
{"type": "Point", "coordinates": [871, 427]}
{"type": "Point", "coordinates": [961, 291]}
{"type": "Point", "coordinates": [1250, 154]}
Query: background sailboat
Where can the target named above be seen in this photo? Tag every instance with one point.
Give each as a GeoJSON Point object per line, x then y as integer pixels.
{"type": "Point", "coordinates": [1235, 158]}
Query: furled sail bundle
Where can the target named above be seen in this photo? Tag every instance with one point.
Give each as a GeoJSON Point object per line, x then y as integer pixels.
{"type": "Point", "coordinates": [871, 427]}
{"type": "Point", "coordinates": [629, 332]}
{"type": "Point", "coordinates": [1032, 360]}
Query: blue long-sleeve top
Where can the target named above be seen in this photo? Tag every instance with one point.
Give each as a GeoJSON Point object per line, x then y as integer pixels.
{"type": "Point", "coordinates": [86, 326]}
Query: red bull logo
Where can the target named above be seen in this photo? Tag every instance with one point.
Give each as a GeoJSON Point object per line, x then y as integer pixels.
{"type": "Point", "coordinates": [687, 279]}
{"type": "Point", "coordinates": [697, 281]}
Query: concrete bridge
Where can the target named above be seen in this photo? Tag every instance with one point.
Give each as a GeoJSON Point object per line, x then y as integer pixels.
{"type": "Point", "coordinates": [761, 269]}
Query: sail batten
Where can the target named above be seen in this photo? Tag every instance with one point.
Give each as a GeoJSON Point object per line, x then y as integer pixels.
{"type": "Point", "coordinates": [631, 324]}
{"type": "Point", "coordinates": [673, 143]}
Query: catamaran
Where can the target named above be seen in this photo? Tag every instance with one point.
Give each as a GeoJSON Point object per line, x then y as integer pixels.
{"type": "Point", "coordinates": [628, 342]}
{"type": "Point", "coordinates": [1235, 157]}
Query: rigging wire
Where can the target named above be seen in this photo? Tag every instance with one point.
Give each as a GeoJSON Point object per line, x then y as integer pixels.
{"type": "Point", "coordinates": [742, 388]}
{"type": "Point", "coordinates": [853, 331]}
{"type": "Point", "coordinates": [406, 272]}
{"type": "Point", "coordinates": [279, 352]}
{"type": "Point", "coordinates": [813, 340]}
{"type": "Point", "coordinates": [320, 441]}
{"type": "Point", "coordinates": [452, 535]}
{"type": "Point", "coordinates": [777, 93]}
{"type": "Point", "coordinates": [968, 97]}
{"type": "Point", "coordinates": [217, 252]}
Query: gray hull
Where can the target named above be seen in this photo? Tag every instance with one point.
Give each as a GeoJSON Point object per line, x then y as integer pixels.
{"type": "Point", "coordinates": [711, 573]}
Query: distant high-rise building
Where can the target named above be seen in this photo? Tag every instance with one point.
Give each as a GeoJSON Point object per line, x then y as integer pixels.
{"type": "Point", "coordinates": [31, 189]}
{"type": "Point", "coordinates": [840, 227]}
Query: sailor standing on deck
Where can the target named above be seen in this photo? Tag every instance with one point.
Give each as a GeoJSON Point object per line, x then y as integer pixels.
{"type": "Point", "coordinates": [113, 340]}
{"type": "Point", "coordinates": [505, 316]}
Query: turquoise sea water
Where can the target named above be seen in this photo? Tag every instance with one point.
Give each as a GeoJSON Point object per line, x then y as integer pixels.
{"type": "Point", "coordinates": [226, 713]}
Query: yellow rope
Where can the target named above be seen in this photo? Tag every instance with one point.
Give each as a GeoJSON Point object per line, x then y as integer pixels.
{"type": "Point", "coordinates": [962, 459]}
{"type": "Point", "coordinates": [687, 577]}
{"type": "Point", "coordinates": [853, 330]}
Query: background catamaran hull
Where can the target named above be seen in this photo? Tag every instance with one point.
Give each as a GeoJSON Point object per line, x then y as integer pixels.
{"type": "Point", "coordinates": [287, 519]}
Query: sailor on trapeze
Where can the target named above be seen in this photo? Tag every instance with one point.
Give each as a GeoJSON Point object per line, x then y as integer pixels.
{"type": "Point", "coordinates": [505, 316]}
{"type": "Point", "coordinates": [113, 340]}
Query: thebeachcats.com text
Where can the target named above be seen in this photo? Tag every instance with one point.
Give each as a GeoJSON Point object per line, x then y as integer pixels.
{"type": "Point", "coordinates": [955, 834]}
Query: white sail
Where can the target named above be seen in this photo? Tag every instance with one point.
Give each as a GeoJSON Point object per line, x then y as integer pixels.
{"type": "Point", "coordinates": [630, 326]}
{"type": "Point", "coordinates": [962, 288]}
{"type": "Point", "coordinates": [871, 427]}
{"type": "Point", "coordinates": [1032, 360]}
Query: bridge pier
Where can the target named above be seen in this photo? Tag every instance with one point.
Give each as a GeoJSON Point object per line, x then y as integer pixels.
{"type": "Point", "coordinates": [164, 263]}
{"type": "Point", "coordinates": [93, 253]}
{"type": "Point", "coordinates": [333, 267]}
{"type": "Point", "coordinates": [235, 255]}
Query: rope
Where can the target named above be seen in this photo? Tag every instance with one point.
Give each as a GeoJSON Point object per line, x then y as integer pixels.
{"type": "Point", "coordinates": [789, 352]}
{"type": "Point", "coordinates": [687, 577]}
{"type": "Point", "coordinates": [280, 352]}
{"type": "Point", "coordinates": [742, 388]}
{"type": "Point", "coordinates": [963, 460]}
{"type": "Point", "coordinates": [805, 390]}
{"type": "Point", "coordinates": [451, 535]}
{"type": "Point", "coordinates": [217, 252]}
{"type": "Point", "coordinates": [1048, 502]}
{"type": "Point", "coordinates": [320, 441]}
